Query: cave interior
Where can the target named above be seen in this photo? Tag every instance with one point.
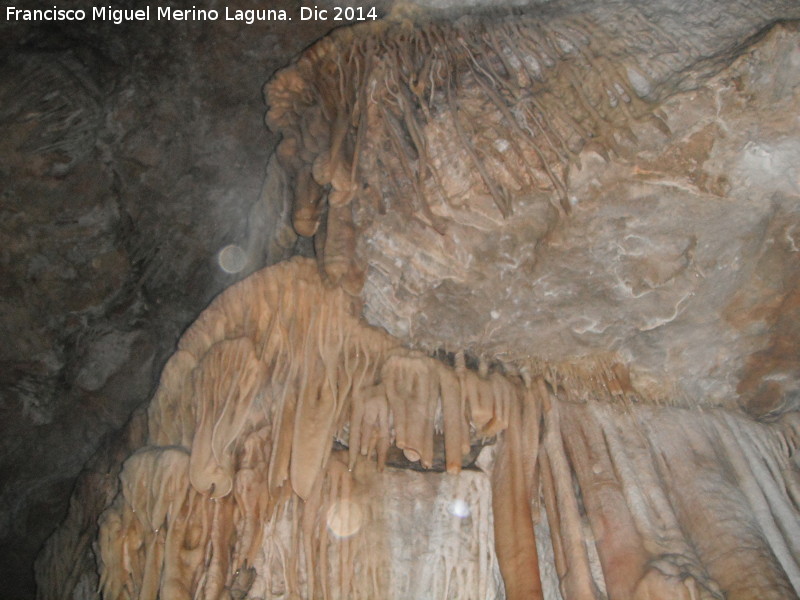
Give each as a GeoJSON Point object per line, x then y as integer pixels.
{"type": "Point", "coordinates": [484, 299]}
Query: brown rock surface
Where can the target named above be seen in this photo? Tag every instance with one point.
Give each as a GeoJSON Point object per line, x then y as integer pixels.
{"type": "Point", "coordinates": [133, 156]}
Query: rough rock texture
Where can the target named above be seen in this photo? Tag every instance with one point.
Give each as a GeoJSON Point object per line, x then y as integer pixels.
{"type": "Point", "coordinates": [95, 489]}
{"type": "Point", "coordinates": [563, 183]}
{"type": "Point", "coordinates": [678, 252]}
{"type": "Point", "coordinates": [265, 473]}
{"type": "Point", "coordinates": [131, 155]}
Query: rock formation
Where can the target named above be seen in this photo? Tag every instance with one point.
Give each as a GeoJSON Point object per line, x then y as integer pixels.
{"type": "Point", "coordinates": [132, 156]}
{"type": "Point", "coordinates": [238, 490]}
{"type": "Point", "coordinates": [563, 242]}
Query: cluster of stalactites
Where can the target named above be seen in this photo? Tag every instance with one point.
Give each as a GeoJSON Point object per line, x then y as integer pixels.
{"type": "Point", "coordinates": [245, 418]}
{"type": "Point", "coordinates": [653, 502]}
{"type": "Point", "coordinates": [522, 100]}
{"type": "Point", "coordinates": [241, 436]}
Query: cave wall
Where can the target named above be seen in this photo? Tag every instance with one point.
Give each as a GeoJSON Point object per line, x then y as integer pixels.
{"type": "Point", "coordinates": [131, 155]}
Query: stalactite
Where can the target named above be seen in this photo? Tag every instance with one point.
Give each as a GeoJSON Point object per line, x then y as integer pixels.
{"type": "Point", "coordinates": [456, 425]}
{"type": "Point", "coordinates": [313, 430]}
{"type": "Point", "coordinates": [726, 550]}
{"type": "Point", "coordinates": [776, 517]}
{"type": "Point", "coordinates": [174, 401]}
{"type": "Point", "coordinates": [620, 548]}
{"type": "Point", "coordinates": [651, 509]}
{"type": "Point", "coordinates": [242, 428]}
{"type": "Point", "coordinates": [308, 203]}
{"type": "Point", "coordinates": [650, 516]}
{"type": "Point", "coordinates": [513, 523]}
{"type": "Point", "coordinates": [530, 439]}
{"type": "Point", "coordinates": [574, 573]}
{"type": "Point", "coordinates": [339, 247]}
{"type": "Point", "coordinates": [412, 392]}
{"type": "Point", "coordinates": [369, 424]}
{"type": "Point", "coordinates": [227, 386]}
{"type": "Point", "coordinates": [368, 99]}
{"type": "Point", "coordinates": [497, 194]}
{"type": "Point", "coordinates": [268, 377]}
{"type": "Point", "coordinates": [239, 486]}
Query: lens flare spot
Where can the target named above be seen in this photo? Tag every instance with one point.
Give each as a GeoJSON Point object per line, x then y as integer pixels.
{"type": "Point", "coordinates": [232, 259]}
{"type": "Point", "coordinates": [344, 518]}
{"type": "Point", "coordinates": [459, 508]}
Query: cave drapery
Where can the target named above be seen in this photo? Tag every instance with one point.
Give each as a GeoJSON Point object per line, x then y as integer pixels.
{"type": "Point", "coordinates": [238, 487]}
{"type": "Point", "coordinates": [272, 459]}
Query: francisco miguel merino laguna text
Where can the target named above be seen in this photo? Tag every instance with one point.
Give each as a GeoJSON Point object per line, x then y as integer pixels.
{"type": "Point", "coordinates": [167, 13]}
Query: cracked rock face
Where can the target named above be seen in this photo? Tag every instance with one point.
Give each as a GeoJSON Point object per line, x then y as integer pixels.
{"type": "Point", "coordinates": [679, 252]}
{"type": "Point", "coordinates": [563, 183]}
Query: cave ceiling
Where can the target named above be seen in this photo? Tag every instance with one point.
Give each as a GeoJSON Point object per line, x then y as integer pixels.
{"type": "Point", "coordinates": [660, 231]}
{"type": "Point", "coordinates": [593, 188]}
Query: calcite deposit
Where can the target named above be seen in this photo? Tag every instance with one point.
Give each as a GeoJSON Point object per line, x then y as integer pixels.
{"type": "Point", "coordinates": [130, 156]}
{"type": "Point", "coordinates": [264, 474]}
{"type": "Point", "coordinates": [546, 346]}
{"type": "Point", "coordinates": [639, 196]}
